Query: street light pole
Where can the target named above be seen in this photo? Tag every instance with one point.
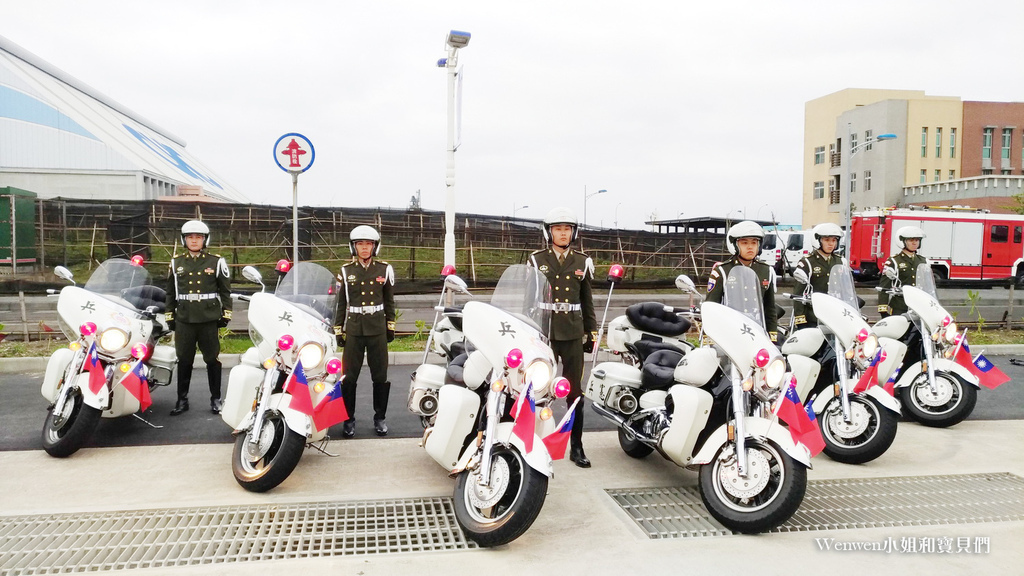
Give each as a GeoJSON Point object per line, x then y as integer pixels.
{"type": "Point", "coordinates": [849, 176]}
{"type": "Point", "coordinates": [587, 197]}
{"type": "Point", "coordinates": [514, 210]}
{"type": "Point", "coordinates": [455, 40]}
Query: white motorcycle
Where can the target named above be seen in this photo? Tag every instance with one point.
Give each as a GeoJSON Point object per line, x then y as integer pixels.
{"type": "Point", "coordinates": [714, 413]}
{"type": "Point", "coordinates": [285, 392]}
{"type": "Point", "coordinates": [500, 482]}
{"type": "Point", "coordinates": [935, 390]}
{"type": "Point", "coordinates": [828, 361]}
{"type": "Point", "coordinates": [112, 362]}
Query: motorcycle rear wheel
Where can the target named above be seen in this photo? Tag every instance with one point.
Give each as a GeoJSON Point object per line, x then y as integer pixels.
{"type": "Point", "coordinates": [64, 434]}
{"type": "Point", "coordinates": [954, 402]}
{"type": "Point", "coordinates": [779, 483]}
{"type": "Point", "coordinates": [283, 449]}
{"type": "Point", "coordinates": [633, 448]}
{"type": "Point", "coordinates": [502, 512]}
{"type": "Point", "coordinates": [869, 435]}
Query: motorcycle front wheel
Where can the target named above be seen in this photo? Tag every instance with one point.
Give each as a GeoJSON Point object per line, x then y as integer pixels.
{"type": "Point", "coordinates": [868, 434]}
{"type": "Point", "coordinates": [65, 433]}
{"type": "Point", "coordinates": [501, 512]}
{"type": "Point", "coordinates": [770, 493]}
{"type": "Point", "coordinates": [952, 402]}
{"type": "Point", "coordinates": [262, 465]}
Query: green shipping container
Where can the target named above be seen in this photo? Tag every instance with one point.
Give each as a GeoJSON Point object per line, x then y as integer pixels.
{"type": "Point", "coordinates": [18, 226]}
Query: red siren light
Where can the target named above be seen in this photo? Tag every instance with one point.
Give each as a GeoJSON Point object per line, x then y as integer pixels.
{"type": "Point", "coordinates": [138, 260]}
{"type": "Point", "coordinates": [448, 270]}
{"type": "Point", "coordinates": [616, 273]}
{"type": "Point", "coordinates": [283, 266]}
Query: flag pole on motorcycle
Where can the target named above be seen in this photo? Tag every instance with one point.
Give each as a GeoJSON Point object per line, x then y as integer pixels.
{"type": "Point", "coordinates": [615, 275]}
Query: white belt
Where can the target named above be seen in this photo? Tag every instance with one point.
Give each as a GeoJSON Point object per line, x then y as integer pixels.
{"type": "Point", "coordinates": [195, 297]}
{"type": "Point", "coordinates": [560, 307]}
{"type": "Point", "coordinates": [365, 309]}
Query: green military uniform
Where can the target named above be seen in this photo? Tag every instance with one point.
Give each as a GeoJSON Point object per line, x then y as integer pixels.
{"type": "Point", "coordinates": [817, 267]}
{"type": "Point", "coordinates": [198, 300]}
{"type": "Point", "coordinates": [366, 310]}
{"type": "Point", "coordinates": [906, 266]}
{"type": "Point", "coordinates": [765, 274]}
{"type": "Point", "coordinates": [572, 320]}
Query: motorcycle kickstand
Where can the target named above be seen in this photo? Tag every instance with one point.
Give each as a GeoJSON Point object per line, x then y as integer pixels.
{"type": "Point", "coordinates": [321, 446]}
{"type": "Point", "coordinates": [151, 425]}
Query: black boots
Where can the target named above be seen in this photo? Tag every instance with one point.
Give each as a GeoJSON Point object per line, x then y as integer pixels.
{"type": "Point", "coordinates": [380, 427]}
{"type": "Point", "coordinates": [216, 405]}
{"type": "Point", "coordinates": [348, 430]}
{"type": "Point", "coordinates": [576, 455]}
{"type": "Point", "coordinates": [180, 406]}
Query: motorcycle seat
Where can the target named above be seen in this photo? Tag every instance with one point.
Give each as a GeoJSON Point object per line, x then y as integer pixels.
{"type": "Point", "coordinates": [657, 318]}
{"type": "Point", "coordinates": [659, 369]}
{"type": "Point", "coordinates": [142, 297]}
{"type": "Point", "coordinates": [453, 374]}
{"type": "Point", "coordinates": [644, 347]}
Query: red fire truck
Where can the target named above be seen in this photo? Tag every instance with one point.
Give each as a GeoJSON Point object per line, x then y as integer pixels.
{"type": "Point", "coordinates": [961, 243]}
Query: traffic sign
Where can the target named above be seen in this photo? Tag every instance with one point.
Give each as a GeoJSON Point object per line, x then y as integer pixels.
{"type": "Point", "coordinates": [293, 152]}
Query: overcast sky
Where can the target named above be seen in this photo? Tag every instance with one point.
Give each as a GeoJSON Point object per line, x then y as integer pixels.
{"type": "Point", "coordinates": [672, 107]}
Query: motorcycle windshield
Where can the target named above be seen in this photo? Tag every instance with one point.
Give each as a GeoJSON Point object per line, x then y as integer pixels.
{"type": "Point", "coordinates": [524, 292]}
{"type": "Point", "coordinates": [840, 285]}
{"type": "Point", "coordinates": [311, 287]}
{"type": "Point", "coordinates": [743, 293]}
{"type": "Point", "coordinates": [119, 280]}
{"type": "Point", "coordinates": [925, 280]}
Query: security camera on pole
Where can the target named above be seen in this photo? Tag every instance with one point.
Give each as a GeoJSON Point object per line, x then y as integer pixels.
{"type": "Point", "coordinates": [454, 41]}
{"type": "Point", "coordinates": [294, 154]}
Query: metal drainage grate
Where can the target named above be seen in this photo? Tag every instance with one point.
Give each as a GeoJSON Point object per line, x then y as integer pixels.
{"type": "Point", "coordinates": [62, 543]}
{"type": "Point", "coordinates": [843, 504]}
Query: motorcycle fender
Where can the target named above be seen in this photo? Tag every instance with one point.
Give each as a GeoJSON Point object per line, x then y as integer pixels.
{"type": "Point", "coordinates": [297, 421]}
{"type": "Point", "coordinates": [884, 398]}
{"type": "Point", "coordinates": [908, 375]}
{"type": "Point", "coordinates": [608, 375]}
{"type": "Point", "coordinates": [55, 368]}
{"type": "Point", "coordinates": [756, 427]}
{"type": "Point", "coordinates": [243, 383]}
{"type": "Point", "coordinates": [96, 400]}
{"type": "Point", "coordinates": [457, 411]}
{"type": "Point", "coordinates": [895, 351]}
{"type": "Point", "coordinates": [121, 402]}
{"type": "Point", "coordinates": [806, 371]}
{"type": "Point", "coordinates": [692, 407]}
{"type": "Point", "coordinates": [539, 459]}
{"type": "Point", "coordinates": [822, 399]}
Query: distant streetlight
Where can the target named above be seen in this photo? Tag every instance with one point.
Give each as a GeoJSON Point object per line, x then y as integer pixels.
{"type": "Point", "coordinates": [455, 40]}
{"type": "Point", "coordinates": [849, 175]}
{"type": "Point", "coordinates": [617, 214]}
{"type": "Point", "coordinates": [585, 198]}
{"type": "Point", "coordinates": [514, 210]}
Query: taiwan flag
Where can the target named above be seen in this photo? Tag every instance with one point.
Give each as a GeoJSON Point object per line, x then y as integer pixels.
{"type": "Point", "coordinates": [137, 385]}
{"type": "Point", "coordinates": [890, 385]}
{"type": "Point", "coordinates": [988, 375]}
{"type": "Point", "coordinates": [524, 411]}
{"type": "Point", "coordinates": [812, 438]}
{"type": "Point", "coordinates": [298, 387]}
{"type": "Point", "coordinates": [791, 411]}
{"type": "Point", "coordinates": [331, 410]}
{"type": "Point", "coordinates": [870, 376]}
{"type": "Point", "coordinates": [557, 441]}
{"type": "Point", "coordinates": [97, 378]}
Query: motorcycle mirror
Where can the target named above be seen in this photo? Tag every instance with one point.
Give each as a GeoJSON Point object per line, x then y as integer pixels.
{"type": "Point", "coordinates": [251, 274]}
{"type": "Point", "coordinates": [64, 274]}
{"type": "Point", "coordinates": [684, 283]}
{"type": "Point", "coordinates": [800, 275]}
{"type": "Point", "coordinates": [456, 284]}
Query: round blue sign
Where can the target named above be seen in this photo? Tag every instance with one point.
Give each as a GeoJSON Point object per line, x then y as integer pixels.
{"type": "Point", "coordinates": [293, 152]}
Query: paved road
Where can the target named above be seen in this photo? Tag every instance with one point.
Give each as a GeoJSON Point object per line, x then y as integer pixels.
{"type": "Point", "coordinates": [23, 409]}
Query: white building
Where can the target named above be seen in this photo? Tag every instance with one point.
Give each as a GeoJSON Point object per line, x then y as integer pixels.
{"type": "Point", "coordinates": [61, 138]}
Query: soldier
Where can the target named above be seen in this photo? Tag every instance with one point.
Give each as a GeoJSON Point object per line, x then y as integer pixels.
{"type": "Point", "coordinates": [817, 265]}
{"type": "Point", "coordinates": [198, 303]}
{"type": "Point", "coordinates": [573, 322]}
{"type": "Point", "coordinates": [744, 242]}
{"type": "Point", "coordinates": [905, 264]}
{"type": "Point", "coordinates": [366, 309]}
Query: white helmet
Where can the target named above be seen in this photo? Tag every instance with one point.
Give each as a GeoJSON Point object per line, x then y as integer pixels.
{"type": "Point", "coordinates": [908, 232]}
{"type": "Point", "coordinates": [560, 216]}
{"type": "Point", "coordinates": [745, 229]}
{"type": "Point", "coordinates": [195, 227]}
{"type": "Point", "coordinates": [363, 233]}
{"type": "Point", "coordinates": [824, 231]}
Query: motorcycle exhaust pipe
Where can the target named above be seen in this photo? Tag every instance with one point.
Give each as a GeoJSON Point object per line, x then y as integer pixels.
{"type": "Point", "coordinates": [619, 421]}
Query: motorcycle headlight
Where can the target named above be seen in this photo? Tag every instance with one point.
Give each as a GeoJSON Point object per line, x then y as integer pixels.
{"type": "Point", "coordinates": [869, 347]}
{"type": "Point", "coordinates": [311, 354]}
{"type": "Point", "coordinates": [775, 373]}
{"type": "Point", "coordinates": [950, 332]}
{"type": "Point", "coordinates": [539, 372]}
{"type": "Point", "coordinates": [112, 339]}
